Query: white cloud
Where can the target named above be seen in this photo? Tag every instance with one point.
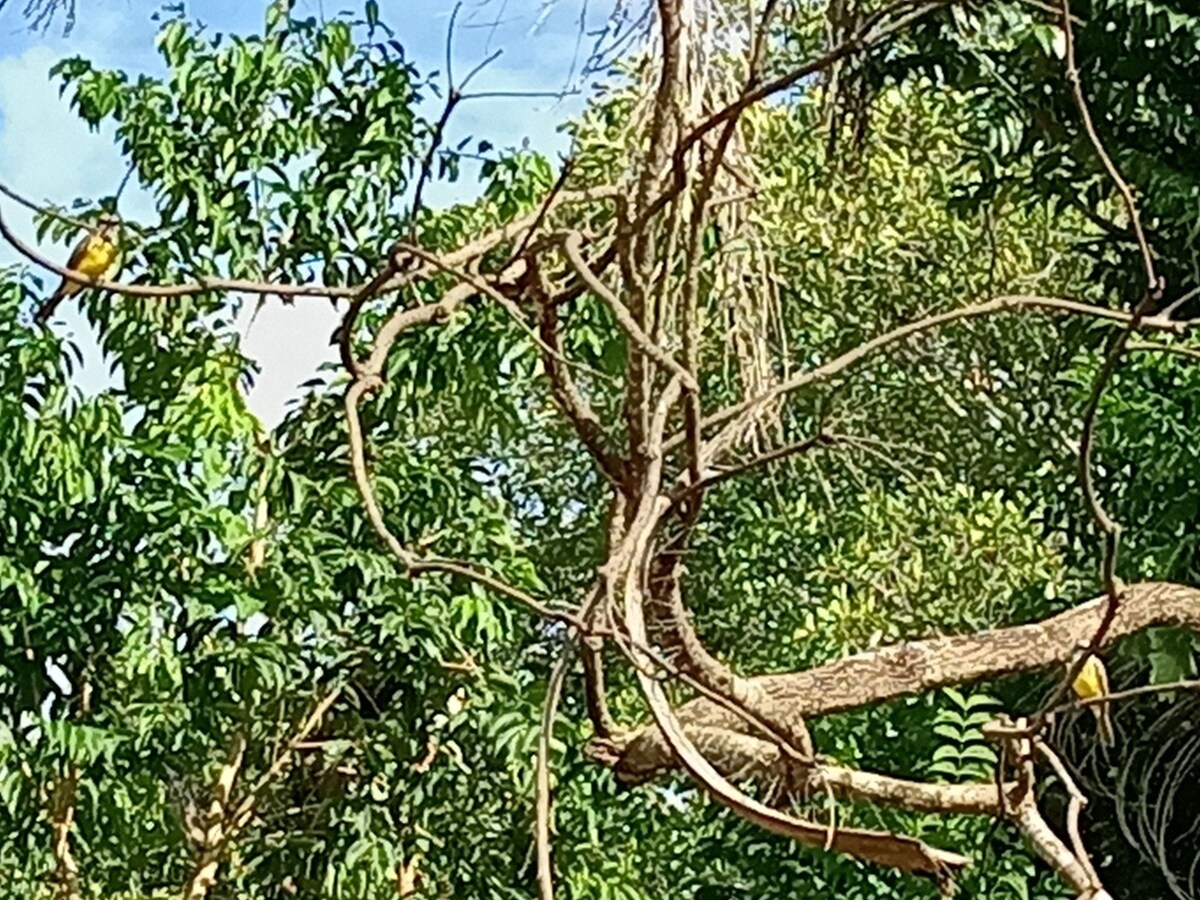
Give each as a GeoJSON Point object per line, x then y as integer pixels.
{"type": "Point", "coordinates": [46, 150]}
{"type": "Point", "coordinates": [47, 153]}
{"type": "Point", "coordinates": [290, 343]}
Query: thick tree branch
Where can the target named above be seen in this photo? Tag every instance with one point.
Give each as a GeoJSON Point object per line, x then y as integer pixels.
{"type": "Point", "coordinates": [872, 33]}
{"type": "Point", "coordinates": [920, 666]}
{"type": "Point", "coordinates": [215, 835]}
{"type": "Point", "coordinates": [62, 821]}
{"type": "Point", "coordinates": [1041, 837]}
{"type": "Point", "coordinates": [894, 851]}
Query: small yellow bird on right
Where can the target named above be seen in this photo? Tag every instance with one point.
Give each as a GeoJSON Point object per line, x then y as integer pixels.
{"type": "Point", "coordinates": [93, 256]}
{"type": "Point", "coordinates": [1092, 682]}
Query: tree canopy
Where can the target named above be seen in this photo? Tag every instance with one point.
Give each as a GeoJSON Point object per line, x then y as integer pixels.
{"type": "Point", "coordinates": [722, 510]}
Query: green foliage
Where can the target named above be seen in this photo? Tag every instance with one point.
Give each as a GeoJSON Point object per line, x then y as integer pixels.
{"type": "Point", "coordinates": [964, 753]}
{"type": "Point", "coordinates": [1133, 60]}
{"type": "Point", "coordinates": [136, 643]}
{"type": "Point", "coordinates": [286, 153]}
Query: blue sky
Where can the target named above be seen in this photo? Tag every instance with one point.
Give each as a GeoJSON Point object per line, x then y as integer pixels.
{"type": "Point", "coordinates": [46, 153]}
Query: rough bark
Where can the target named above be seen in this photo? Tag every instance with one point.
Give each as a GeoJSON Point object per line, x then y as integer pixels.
{"type": "Point", "coordinates": [62, 820]}
{"type": "Point", "coordinates": [916, 667]}
{"type": "Point", "coordinates": [213, 839]}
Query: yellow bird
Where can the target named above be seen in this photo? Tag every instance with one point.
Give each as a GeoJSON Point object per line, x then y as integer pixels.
{"type": "Point", "coordinates": [93, 256]}
{"type": "Point", "coordinates": [1092, 681]}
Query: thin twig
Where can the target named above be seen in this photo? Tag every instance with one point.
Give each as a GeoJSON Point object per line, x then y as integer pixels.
{"type": "Point", "coordinates": [1074, 807]}
{"type": "Point", "coordinates": [990, 307]}
{"type": "Point", "coordinates": [202, 285]}
{"type": "Point", "coordinates": [43, 210]}
{"type": "Point", "coordinates": [1150, 346]}
{"type": "Point", "coordinates": [571, 246]}
{"type": "Point", "coordinates": [282, 759]}
{"type": "Point", "coordinates": [454, 96]}
{"type": "Point", "coordinates": [764, 459]}
{"type": "Point", "coordinates": [1153, 283]}
{"type": "Point", "coordinates": [1174, 305]}
{"type": "Point", "coordinates": [1186, 684]}
{"type": "Point", "coordinates": [545, 868]}
{"type": "Point", "coordinates": [482, 286]}
{"type": "Point", "coordinates": [1109, 528]}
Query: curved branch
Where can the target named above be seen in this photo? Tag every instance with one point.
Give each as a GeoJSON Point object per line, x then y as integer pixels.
{"type": "Point", "coordinates": [1154, 284]}
{"type": "Point", "coordinates": [882, 848]}
{"type": "Point", "coordinates": [895, 851]}
{"type": "Point", "coordinates": [1108, 526]}
{"type": "Point", "coordinates": [369, 379]}
{"type": "Point", "coordinates": [630, 564]}
{"type": "Point", "coordinates": [571, 247]}
{"type": "Point", "coordinates": [545, 870]}
{"type": "Point", "coordinates": [1041, 837]}
{"type": "Point", "coordinates": [1075, 806]}
{"type": "Point", "coordinates": [1011, 303]}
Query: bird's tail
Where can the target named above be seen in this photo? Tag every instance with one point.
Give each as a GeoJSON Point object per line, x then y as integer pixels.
{"type": "Point", "coordinates": [1104, 724]}
{"type": "Point", "coordinates": [46, 310]}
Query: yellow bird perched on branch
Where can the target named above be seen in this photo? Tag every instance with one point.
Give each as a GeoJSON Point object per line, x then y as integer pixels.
{"type": "Point", "coordinates": [93, 256]}
{"type": "Point", "coordinates": [1092, 682]}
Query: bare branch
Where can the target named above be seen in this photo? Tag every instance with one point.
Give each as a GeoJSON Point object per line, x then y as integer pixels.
{"type": "Point", "coordinates": [1077, 801]}
{"type": "Point", "coordinates": [872, 33]}
{"type": "Point", "coordinates": [1109, 528]}
{"type": "Point", "coordinates": [43, 210]}
{"type": "Point", "coordinates": [919, 666]}
{"type": "Point", "coordinates": [1186, 684]}
{"type": "Point", "coordinates": [1153, 284]}
{"type": "Point", "coordinates": [1028, 819]}
{"type": "Point", "coordinates": [1003, 304]}
{"type": "Point", "coordinates": [200, 286]}
{"type": "Point", "coordinates": [577, 411]}
{"type": "Point", "coordinates": [571, 244]}
{"type": "Point", "coordinates": [1154, 347]}
{"type": "Point", "coordinates": [894, 851]}
{"type": "Point", "coordinates": [741, 467]}
{"type": "Point", "coordinates": [545, 736]}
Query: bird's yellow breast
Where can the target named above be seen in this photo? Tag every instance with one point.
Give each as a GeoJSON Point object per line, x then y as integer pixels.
{"type": "Point", "coordinates": [97, 257]}
{"type": "Point", "coordinates": [1092, 680]}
